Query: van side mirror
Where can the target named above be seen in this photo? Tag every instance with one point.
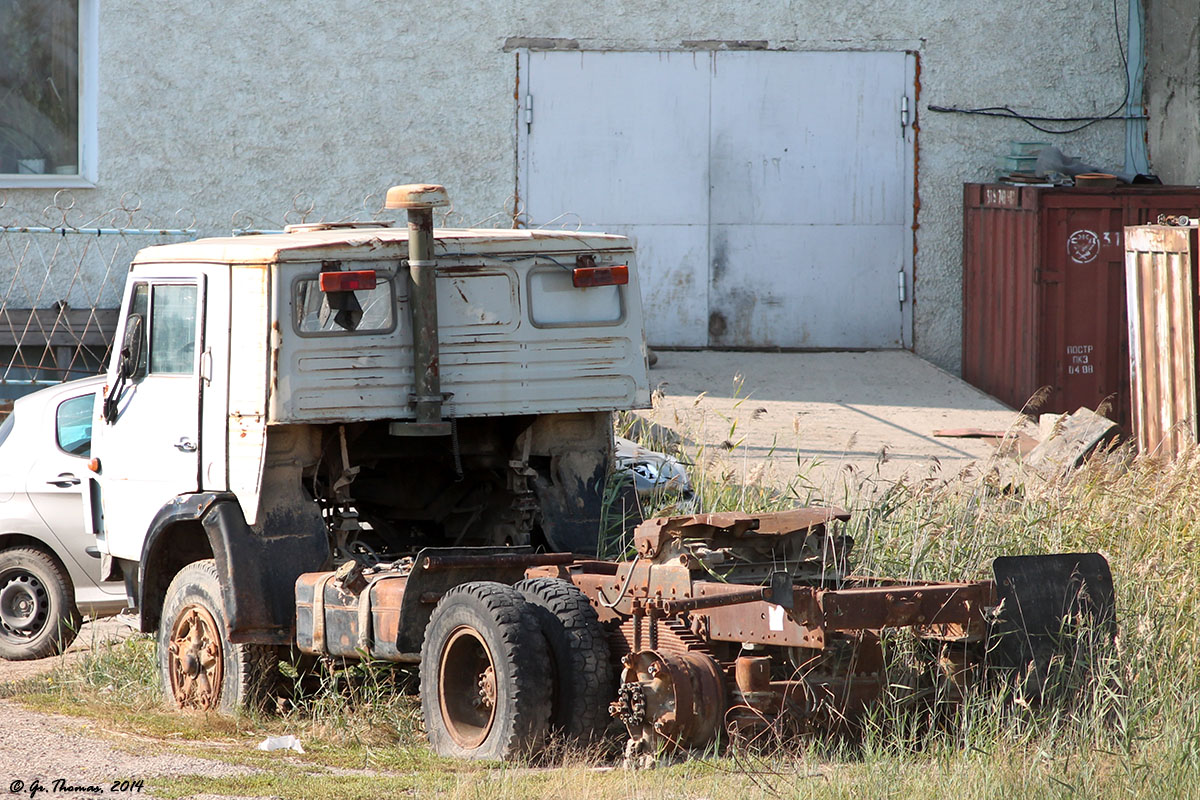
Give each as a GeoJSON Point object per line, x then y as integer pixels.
{"type": "Point", "coordinates": [131, 347]}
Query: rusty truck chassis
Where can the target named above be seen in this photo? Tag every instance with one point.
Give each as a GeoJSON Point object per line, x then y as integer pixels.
{"type": "Point", "coordinates": [730, 622]}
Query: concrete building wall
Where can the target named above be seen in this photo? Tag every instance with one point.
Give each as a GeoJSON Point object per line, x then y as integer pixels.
{"type": "Point", "coordinates": [1173, 89]}
{"type": "Point", "coordinates": [220, 107]}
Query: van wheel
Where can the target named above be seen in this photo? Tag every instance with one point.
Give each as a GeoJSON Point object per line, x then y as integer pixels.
{"type": "Point", "coordinates": [485, 682]}
{"type": "Point", "coordinates": [583, 671]}
{"type": "Point", "coordinates": [200, 668]}
{"type": "Point", "coordinates": [38, 617]}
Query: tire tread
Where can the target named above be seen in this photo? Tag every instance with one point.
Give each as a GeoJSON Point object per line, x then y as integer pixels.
{"type": "Point", "coordinates": [587, 686]}
{"type": "Point", "coordinates": [257, 675]}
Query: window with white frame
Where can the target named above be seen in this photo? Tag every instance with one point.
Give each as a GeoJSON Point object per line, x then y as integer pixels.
{"type": "Point", "coordinates": [47, 92]}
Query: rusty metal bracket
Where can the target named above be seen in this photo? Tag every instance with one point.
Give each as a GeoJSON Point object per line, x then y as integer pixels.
{"type": "Point", "coordinates": [365, 633]}
{"type": "Point", "coordinates": [433, 563]}
{"type": "Point", "coordinates": [318, 636]}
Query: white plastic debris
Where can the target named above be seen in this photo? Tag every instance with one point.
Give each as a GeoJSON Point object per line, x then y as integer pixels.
{"type": "Point", "coordinates": [650, 469]}
{"type": "Point", "coordinates": [288, 742]}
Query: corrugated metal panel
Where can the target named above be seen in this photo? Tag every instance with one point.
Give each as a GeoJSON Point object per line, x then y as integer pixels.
{"type": "Point", "coordinates": [999, 309]}
{"type": "Point", "coordinates": [1160, 273]}
{"type": "Point", "coordinates": [1084, 348]}
{"type": "Point", "coordinates": [1044, 291]}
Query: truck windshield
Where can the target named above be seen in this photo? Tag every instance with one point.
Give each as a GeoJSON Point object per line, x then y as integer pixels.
{"type": "Point", "coordinates": [366, 311]}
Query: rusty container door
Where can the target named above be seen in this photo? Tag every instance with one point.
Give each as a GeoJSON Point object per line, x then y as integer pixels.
{"type": "Point", "coordinates": [1085, 352]}
{"type": "Point", "coordinates": [1044, 291]}
{"type": "Point", "coordinates": [1000, 334]}
{"type": "Point", "coordinates": [1161, 283]}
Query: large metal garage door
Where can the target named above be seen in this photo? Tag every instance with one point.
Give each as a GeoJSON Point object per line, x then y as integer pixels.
{"type": "Point", "coordinates": [771, 193]}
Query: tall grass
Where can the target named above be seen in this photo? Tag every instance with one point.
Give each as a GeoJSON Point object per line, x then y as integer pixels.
{"type": "Point", "coordinates": [1135, 719]}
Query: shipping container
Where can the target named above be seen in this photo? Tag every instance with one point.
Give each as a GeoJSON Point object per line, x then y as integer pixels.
{"type": "Point", "coordinates": [1161, 282]}
{"type": "Point", "coordinates": [1044, 291]}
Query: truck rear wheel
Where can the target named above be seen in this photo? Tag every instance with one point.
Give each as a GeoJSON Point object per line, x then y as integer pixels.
{"type": "Point", "coordinates": [200, 668]}
{"type": "Point", "coordinates": [485, 681]}
{"type": "Point", "coordinates": [38, 617]}
{"type": "Point", "coordinates": [583, 672]}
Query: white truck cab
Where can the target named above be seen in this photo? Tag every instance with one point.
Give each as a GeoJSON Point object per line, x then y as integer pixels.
{"type": "Point", "coordinates": [280, 402]}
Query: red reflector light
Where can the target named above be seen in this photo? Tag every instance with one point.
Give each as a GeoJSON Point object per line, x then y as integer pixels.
{"type": "Point", "coordinates": [348, 281]}
{"type": "Point", "coordinates": [616, 275]}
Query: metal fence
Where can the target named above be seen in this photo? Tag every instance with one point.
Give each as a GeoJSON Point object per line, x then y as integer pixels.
{"type": "Point", "coordinates": [61, 277]}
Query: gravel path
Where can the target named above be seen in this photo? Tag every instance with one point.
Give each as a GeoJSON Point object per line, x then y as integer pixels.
{"type": "Point", "coordinates": [36, 749]}
{"type": "Point", "coordinates": [42, 748]}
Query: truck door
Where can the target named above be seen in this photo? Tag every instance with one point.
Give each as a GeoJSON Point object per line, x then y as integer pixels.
{"type": "Point", "coordinates": [150, 447]}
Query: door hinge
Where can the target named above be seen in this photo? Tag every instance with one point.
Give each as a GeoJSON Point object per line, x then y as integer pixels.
{"type": "Point", "coordinates": [528, 113]}
{"type": "Point", "coordinates": [902, 285]}
{"type": "Point", "coordinates": [903, 112]}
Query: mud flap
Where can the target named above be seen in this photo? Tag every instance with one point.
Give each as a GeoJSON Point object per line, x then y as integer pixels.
{"type": "Point", "coordinates": [571, 508]}
{"type": "Point", "coordinates": [1056, 617]}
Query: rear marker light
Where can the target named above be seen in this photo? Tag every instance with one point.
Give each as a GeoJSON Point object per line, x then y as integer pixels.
{"type": "Point", "coordinates": [363, 280]}
{"type": "Point", "coordinates": [94, 465]}
{"type": "Point", "coordinates": [616, 275]}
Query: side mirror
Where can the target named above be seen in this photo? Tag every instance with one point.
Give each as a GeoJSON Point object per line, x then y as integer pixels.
{"type": "Point", "coordinates": [131, 347]}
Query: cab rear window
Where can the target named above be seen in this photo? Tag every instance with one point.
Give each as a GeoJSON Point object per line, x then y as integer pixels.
{"type": "Point", "coordinates": [323, 313]}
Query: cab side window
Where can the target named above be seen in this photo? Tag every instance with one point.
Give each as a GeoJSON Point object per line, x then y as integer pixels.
{"type": "Point", "coordinates": [73, 425]}
{"type": "Point", "coordinates": [168, 312]}
{"type": "Point", "coordinates": [173, 329]}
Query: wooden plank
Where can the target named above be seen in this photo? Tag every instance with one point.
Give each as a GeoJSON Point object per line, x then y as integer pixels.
{"type": "Point", "coordinates": [1074, 438]}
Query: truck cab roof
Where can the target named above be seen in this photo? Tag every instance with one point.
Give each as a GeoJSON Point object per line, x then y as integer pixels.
{"type": "Point", "coordinates": [350, 240]}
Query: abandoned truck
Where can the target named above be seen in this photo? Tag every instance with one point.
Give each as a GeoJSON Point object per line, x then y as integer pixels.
{"type": "Point", "coordinates": [352, 440]}
{"type": "Point", "coordinates": [279, 403]}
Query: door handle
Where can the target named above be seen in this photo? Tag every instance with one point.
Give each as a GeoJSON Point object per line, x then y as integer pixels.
{"type": "Point", "coordinates": [64, 481]}
{"type": "Point", "coordinates": [186, 445]}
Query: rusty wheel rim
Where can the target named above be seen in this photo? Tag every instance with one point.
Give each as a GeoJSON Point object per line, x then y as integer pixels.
{"type": "Point", "coordinates": [195, 660]}
{"type": "Point", "coordinates": [467, 688]}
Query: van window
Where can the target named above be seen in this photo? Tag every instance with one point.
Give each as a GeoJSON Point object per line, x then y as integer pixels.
{"type": "Point", "coordinates": [7, 426]}
{"type": "Point", "coordinates": [73, 425]}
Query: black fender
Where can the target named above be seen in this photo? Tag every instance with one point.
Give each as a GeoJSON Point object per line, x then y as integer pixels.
{"type": "Point", "coordinates": [258, 571]}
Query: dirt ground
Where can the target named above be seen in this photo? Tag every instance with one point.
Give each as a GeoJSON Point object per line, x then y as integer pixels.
{"type": "Point", "coordinates": [90, 635]}
{"type": "Point", "coordinates": [845, 421]}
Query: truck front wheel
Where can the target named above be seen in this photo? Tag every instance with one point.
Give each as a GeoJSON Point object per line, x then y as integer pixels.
{"type": "Point", "coordinates": [200, 668]}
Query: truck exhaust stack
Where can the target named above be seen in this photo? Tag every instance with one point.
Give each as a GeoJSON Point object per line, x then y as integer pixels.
{"type": "Point", "coordinates": [419, 200]}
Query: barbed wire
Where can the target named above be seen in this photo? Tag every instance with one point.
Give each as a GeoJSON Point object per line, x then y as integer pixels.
{"type": "Point", "coordinates": [129, 215]}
